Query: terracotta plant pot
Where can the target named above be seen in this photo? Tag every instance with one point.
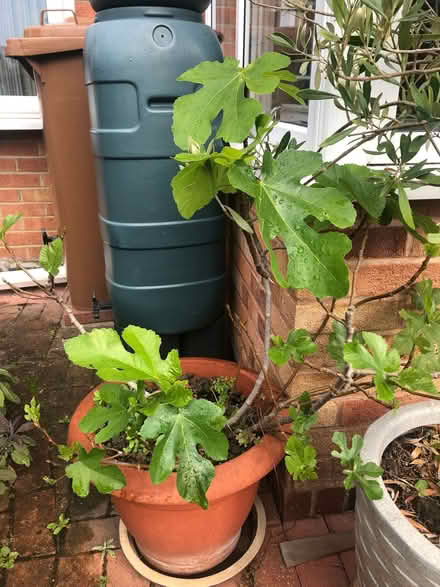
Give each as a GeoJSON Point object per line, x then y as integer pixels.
{"type": "Point", "coordinates": [176, 536]}
{"type": "Point", "coordinates": [196, 5]}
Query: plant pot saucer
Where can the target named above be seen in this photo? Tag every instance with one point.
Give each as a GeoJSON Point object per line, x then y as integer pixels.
{"type": "Point", "coordinates": [257, 519]}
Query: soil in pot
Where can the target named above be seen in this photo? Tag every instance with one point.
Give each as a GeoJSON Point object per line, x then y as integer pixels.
{"type": "Point", "coordinates": [216, 389]}
{"type": "Point", "coordinates": [411, 466]}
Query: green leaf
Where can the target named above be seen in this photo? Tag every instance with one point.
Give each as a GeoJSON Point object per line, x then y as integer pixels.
{"type": "Point", "coordinates": [433, 238]}
{"type": "Point", "coordinates": [316, 261]}
{"type": "Point", "coordinates": [239, 220]}
{"type": "Point", "coordinates": [59, 525]}
{"type": "Point", "coordinates": [346, 455]}
{"type": "Point", "coordinates": [112, 419]}
{"type": "Point", "coordinates": [32, 411]}
{"type": "Point", "coordinates": [370, 469]}
{"type": "Point", "coordinates": [310, 94]}
{"type": "Point", "coordinates": [428, 362]}
{"type": "Point", "coordinates": [371, 488]}
{"type": "Point", "coordinates": [51, 256]}
{"type": "Point", "coordinates": [336, 137]}
{"type": "Point", "coordinates": [339, 10]}
{"type": "Point", "coordinates": [193, 188]}
{"type": "Point", "coordinates": [384, 389]}
{"type": "Point", "coordinates": [282, 40]}
{"type": "Point", "coordinates": [102, 349]}
{"type": "Point", "coordinates": [88, 469]}
{"type": "Point", "coordinates": [300, 458]}
{"type": "Point", "coordinates": [7, 223]}
{"type": "Point", "coordinates": [421, 487]}
{"type": "Point", "coordinates": [302, 420]}
{"type": "Point", "coordinates": [376, 5]}
{"type": "Point", "coordinates": [179, 431]}
{"type": "Point", "coordinates": [9, 394]}
{"type": "Point", "coordinates": [412, 334]}
{"type": "Point", "coordinates": [291, 91]}
{"type": "Point", "coordinates": [224, 91]}
{"type": "Point", "coordinates": [381, 360]}
{"type": "Point", "coordinates": [298, 345]}
{"type": "Point", "coordinates": [66, 453]}
{"type": "Point", "coordinates": [431, 179]}
{"type": "Point", "coordinates": [4, 374]}
{"type": "Point", "coordinates": [415, 379]}
{"type": "Point", "coordinates": [8, 474]}
{"type": "Point", "coordinates": [405, 208]}
{"type": "Point", "coordinates": [357, 183]}
{"type": "Point", "coordinates": [20, 454]}
{"type": "Point", "coordinates": [283, 144]}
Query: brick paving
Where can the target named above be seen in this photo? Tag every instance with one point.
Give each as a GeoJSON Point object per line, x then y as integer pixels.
{"type": "Point", "coordinates": [31, 347]}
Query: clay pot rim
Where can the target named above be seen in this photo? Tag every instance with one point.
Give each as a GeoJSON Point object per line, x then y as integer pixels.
{"type": "Point", "coordinates": [230, 477]}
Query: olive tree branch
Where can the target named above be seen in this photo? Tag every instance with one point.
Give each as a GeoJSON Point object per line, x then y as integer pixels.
{"type": "Point", "coordinates": [397, 290]}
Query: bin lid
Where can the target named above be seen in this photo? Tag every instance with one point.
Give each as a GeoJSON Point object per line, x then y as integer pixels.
{"type": "Point", "coordinates": [47, 39]}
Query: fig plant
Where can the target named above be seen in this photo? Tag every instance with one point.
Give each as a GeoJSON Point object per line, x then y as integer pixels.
{"type": "Point", "coordinates": [295, 206]}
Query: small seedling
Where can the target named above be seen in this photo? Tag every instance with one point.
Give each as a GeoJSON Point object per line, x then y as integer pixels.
{"type": "Point", "coordinates": [221, 387]}
{"type": "Point", "coordinates": [59, 525]}
{"type": "Point", "coordinates": [7, 557]}
{"type": "Point", "coordinates": [49, 480]}
{"type": "Point", "coordinates": [421, 487]}
{"type": "Point", "coordinates": [356, 472]}
{"type": "Point", "coordinates": [107, 547]}
{"type": "Point", "coordinates": [102, 582]}
{"type": "Point", "coordinates": [32, 411]}
{"type": "Point", "coordinates": [64, 420]}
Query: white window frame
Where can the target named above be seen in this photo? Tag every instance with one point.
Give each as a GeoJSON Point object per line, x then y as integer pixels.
{"type": "Point", "coordinates": [324, 118]}
{"type": "Point", "coordinates": [210, 15]}
{"type": "Point", "coordinates": [310, 134]}
{"type": "Point", "coordinates": [24, 112]}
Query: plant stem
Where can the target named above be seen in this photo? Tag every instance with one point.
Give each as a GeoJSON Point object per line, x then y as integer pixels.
{"type": "Point", "coordinates": [398, 290]}
{"type": "Point", "coordinates": [358, 265]}
{"type": "Point", "coordinates": [384, 76]}
{"type": "Point", "coordinates": [49, 293]}
{"type": "Point", "coordinates": [258, 383]}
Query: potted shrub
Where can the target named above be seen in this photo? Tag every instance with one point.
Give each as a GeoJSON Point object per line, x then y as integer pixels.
{"type": "Point", "coordinates": [295, 210]}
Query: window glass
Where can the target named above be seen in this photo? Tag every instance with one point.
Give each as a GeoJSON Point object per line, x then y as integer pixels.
{"type": "Point", "coordinates": [15, 16]}
{"type": "Point", "coordinates": [262, 23]}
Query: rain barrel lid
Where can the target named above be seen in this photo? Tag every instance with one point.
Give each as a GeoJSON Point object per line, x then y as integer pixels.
{"type": "Point", "coordinates": [196, 5]}
{"type": "Point", "coordinates": [47, 39]}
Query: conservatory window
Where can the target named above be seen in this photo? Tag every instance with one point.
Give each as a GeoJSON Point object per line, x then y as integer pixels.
{"type": "Point", "coordinates": [320, 118]}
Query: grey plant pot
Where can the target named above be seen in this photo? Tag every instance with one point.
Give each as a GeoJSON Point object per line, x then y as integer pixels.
{"type": "Point", "coordinates": [390, 552]}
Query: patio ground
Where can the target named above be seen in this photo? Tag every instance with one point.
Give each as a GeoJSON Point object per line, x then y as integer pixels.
{"type": "Point", "coordinates": [88, 552]}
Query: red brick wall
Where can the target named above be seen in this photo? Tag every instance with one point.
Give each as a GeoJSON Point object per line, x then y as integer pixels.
{"type": "Point", "coordinates": [391, 258]}
{"type": "Point", "coordinates": [26, 188]}
{"type": "Point", "coordinates": [84, 11]}
{"type": "Point", "coordinates": [226, 22]}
